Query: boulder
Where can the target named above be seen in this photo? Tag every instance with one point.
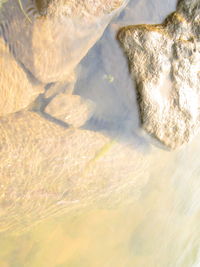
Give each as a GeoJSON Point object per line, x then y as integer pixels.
{"type": "Point", "coordinates": [51, 38]}
{"type": "Point", "coordinates": [46, 169]}
{"type": "Point", "coordinates": [164, 61]}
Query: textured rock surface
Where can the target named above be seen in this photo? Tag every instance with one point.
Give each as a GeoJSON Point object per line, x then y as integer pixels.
{"type": "Point", "coordinates": [164, 61]}
{"type": "Point", "coordinates": [54, 41]}
{"type": "Point", "coordinates": [46, 169]}
{"type": "Point", "coordinates": [17, 90]}
{"type": "Point", "coordinates": [71, 109]}
{"type": "Point", "coordinates": [48, 39]}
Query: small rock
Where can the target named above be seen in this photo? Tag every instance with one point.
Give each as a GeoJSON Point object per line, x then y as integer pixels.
{"type": "Point", "coordinates": [66, 86]}
{"type": "Point", "coordinates": [71, 109]}
{"type": "Point", "coordinates": [164, 61]}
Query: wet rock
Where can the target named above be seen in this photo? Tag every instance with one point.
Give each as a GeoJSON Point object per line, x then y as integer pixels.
{"type": "Point", "coordinates": [46, 170]}
{"type": "Point", "coordinates": [71, 109]}
{"type": "Point", "coordinates": [164, 61]}
{"type": "Point", "coordinates": [52, 38]}
{"type": "Point", "coordinates": [17, 91]}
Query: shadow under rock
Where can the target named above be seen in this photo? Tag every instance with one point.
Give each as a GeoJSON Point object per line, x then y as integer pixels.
{"type": "Point", "coordinates": [39, 106]}
{"type": "Point", "coordinates": [104, 78]}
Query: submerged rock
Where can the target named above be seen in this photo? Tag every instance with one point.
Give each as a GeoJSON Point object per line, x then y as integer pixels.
{"type": "Point", "coordinates": [164, 61]}
{"type": "Point", "coordinates": [46, 169]}
{"type": "Point", "coordinates": [51, 37]}
{"type": "Point", "coordinates": [48, 39]}
{"type": "Point", "coordinates": [17, 90]}
{"type": "Point", "coordinates": [71, 109]}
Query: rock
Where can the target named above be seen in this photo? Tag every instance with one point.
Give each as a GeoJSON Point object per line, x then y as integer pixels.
{"type": "Point", "coordinates": [40, 162]}
{"type": "Point", "coordinates": [164, 61]}
{"type": "Point", "coordinates": [17, 91]}
{"type": "Point", "coordinates": [57, 34]}
{"type": "Point", "coordinates": [46, 170]}
{"type": "Point", "coordinates": [66, 86]}
{"type": "Point", "coordinates": [71, 109]}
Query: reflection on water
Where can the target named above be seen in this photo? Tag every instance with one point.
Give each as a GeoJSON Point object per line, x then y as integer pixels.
{"type": "Point", "coordinates": [134, 204]}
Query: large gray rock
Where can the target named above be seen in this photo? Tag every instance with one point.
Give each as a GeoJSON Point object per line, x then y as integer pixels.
{"type": "Point", "coordinates": [164, 61]}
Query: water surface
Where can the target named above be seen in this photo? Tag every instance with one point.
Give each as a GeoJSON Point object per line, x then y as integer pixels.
{"type": "Point", "coordinates": [154, 220]}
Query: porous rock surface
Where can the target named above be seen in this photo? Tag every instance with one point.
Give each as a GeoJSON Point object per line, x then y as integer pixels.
{"type": "Point", "coordinates": [164, 61]}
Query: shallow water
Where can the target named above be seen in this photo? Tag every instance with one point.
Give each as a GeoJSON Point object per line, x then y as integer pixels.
{"type": "Point", "coordinates": [142, 206]}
